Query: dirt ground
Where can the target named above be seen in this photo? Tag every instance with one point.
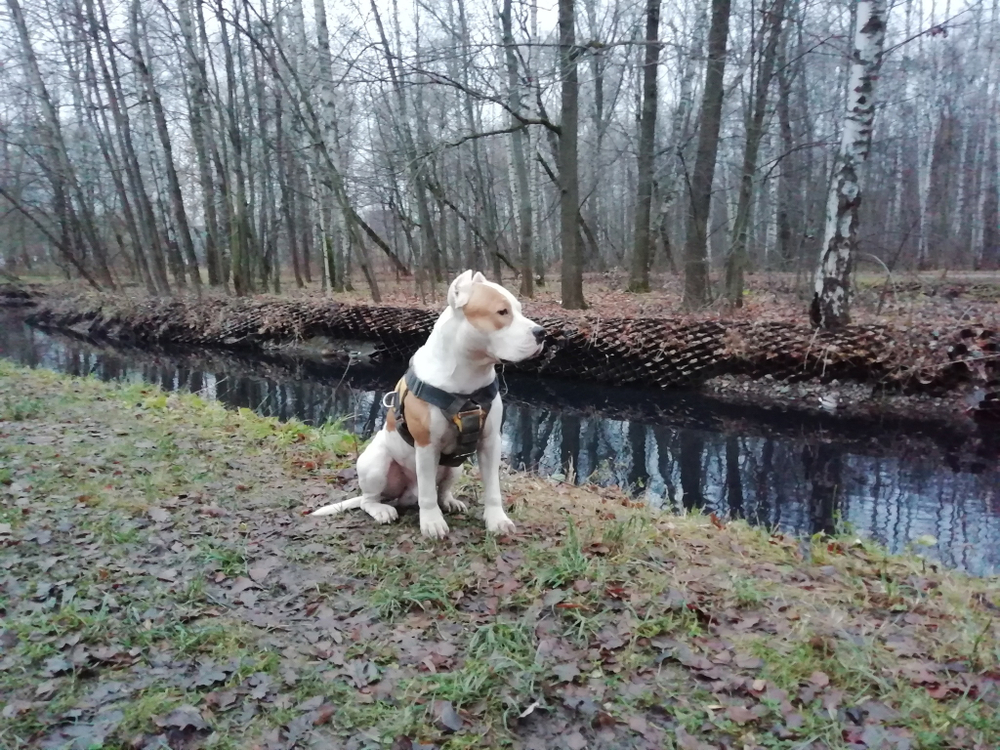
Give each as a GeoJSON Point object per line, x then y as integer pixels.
{"type": "Point", "coordinates": [160, 587]}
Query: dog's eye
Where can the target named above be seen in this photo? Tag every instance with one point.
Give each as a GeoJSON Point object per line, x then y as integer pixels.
{"type": "Point", "coordinates": [505, 311]}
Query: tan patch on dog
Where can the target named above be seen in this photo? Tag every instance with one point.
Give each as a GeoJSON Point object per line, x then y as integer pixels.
{"type": "Point", "coordinates": [487, 309]}
{"type": "Point", "coordinates": [418, 419]}
{"type": "Point", "coordinates": [390, 420]}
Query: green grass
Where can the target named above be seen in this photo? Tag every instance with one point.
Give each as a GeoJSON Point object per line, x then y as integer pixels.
{"type": "Point", "coordinates": [152, 506]}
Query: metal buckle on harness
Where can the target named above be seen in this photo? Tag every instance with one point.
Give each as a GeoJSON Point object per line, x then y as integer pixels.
{"type": "Point", "coordinates": [469, 421]}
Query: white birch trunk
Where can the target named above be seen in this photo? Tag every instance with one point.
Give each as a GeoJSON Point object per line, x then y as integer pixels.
{"type": "Point", "coordinates": [831, 300]}
{"type": "Point", "coordinates": [331, 238]}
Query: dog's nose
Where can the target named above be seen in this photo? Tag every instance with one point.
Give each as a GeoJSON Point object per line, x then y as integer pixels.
{"type": "Point", "coordinates": [539, 333]}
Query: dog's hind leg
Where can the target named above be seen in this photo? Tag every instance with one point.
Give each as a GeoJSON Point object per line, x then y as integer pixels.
{"type": "Point", "coordinates": [334, 508]}
{"type": "Point", "coordinates": [446, 500]}
{"type": "Point", "coordinates": [379, 478]}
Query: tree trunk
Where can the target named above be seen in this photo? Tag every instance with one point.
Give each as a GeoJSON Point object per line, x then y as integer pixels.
{"type": "Point", "coordinates": [332, 237]}
{"type": "Point", "coordinates": [239, 223]}
{"type": "Point", "coordinates": [518, 138]}
{"type": "Point", "coordinates": [737, 261]}
{"type": "Point", "coordinates": [113, 160]}
{"type": "Point", "coordinates": [182, 230]}
{"type": "Point", "coordinates": [990, 256]}
{"type": "Point", "coordinates": [145, 218]}
{"type": "Point", "coordinates": [569, 204]}
{"type": "Point", "coordinates": [643, 244]}
{"type": "Point", "coordinates": [831, 298]}
{"type": "Point", "coordinates": [696, 293]}
{"type": "Point", "coordinates": [942, 178]}
{"type": "Point", "coordinates": [429, 251]}
{"type": "Point", "coordinates": [787, 165]}
{"type": "Point", "coordinates": [199, 117]}
{"type": "Point", "coordinates": [60, 173]}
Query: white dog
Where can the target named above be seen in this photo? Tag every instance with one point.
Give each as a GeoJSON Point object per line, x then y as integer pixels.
{"type": "Point", "coordinates": [446, 408]}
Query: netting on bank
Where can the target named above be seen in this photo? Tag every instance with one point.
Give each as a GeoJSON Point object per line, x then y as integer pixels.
{"type": "Point", "coordinates": [648, 352]}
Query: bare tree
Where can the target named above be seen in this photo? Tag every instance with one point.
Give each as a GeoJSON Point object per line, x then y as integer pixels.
{"type": "Point", "coordinates": [517, 145]}
{"type": "Point", "coordinates": [200, 118]}
{"type": "Point", "coordinates": [642, 246]}
{"type": "Point", "coordinates": [737, 260]}
{"type": "Point", "coordinates": [569, 204]}
{"type": "Point", "coordinates": [831, 298]}
{"type": "Point", "coordinates": [182, 231]}
{"type": "Point", "coordinates": [148, 139]}
{"type": "Point", "coordinates": [696, 292]}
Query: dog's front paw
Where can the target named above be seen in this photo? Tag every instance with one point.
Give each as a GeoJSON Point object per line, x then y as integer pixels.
{"type": "Point", "coordinates": [452, 505]}
{"type": "Point", "coordinates": [381, 512]}
{"type": "Point", "coordinates": [497, 521]}
{"type": "Point", "coordinates": [432, 524]}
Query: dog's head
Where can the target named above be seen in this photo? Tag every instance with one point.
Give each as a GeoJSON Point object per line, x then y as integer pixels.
{"type": "Point", "coordinates": [491, 320]}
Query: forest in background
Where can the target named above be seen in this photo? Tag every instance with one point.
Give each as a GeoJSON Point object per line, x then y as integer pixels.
{"type": "Point", "coordinates": [254, 144]}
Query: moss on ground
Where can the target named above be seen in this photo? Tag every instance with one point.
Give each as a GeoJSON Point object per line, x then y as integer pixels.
{"type": "Point", "coordinates": [159, 583]}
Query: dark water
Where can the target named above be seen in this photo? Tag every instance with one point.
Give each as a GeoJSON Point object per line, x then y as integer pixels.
{"type": "Point", "coordinates": [894, 480]}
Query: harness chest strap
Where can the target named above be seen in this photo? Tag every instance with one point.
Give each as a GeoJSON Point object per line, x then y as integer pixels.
{"type": "Point", "coordinates": [467, 412]}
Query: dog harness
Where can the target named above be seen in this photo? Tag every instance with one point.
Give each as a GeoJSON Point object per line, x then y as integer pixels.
{"type": "Point", "coordinates": [467, 412]}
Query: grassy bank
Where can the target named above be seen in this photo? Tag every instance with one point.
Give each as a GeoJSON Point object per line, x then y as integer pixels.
{"type": "Point", "coordinates": [158, 580]}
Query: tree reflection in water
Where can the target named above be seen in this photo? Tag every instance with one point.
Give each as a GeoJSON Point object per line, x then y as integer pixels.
{"type": "Point", "coordinates": [795, 472]}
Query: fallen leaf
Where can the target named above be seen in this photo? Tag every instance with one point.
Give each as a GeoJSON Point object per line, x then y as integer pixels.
{"type": "Point", "coordinates": [446, 717]}
{"type": "Point", "coordinates": [324, 714]}
{"type": "Point", "coordinates": [687, 741]}
{"type": "Point", "coordinates": [183, 717]}
{"type": "Point", "coordinates": [362, 672]}
{"type": "Point", "coordinates": [57, 665]}
{"type": "Point", "coordinates": [444, 648]}
{"type": "Point", "coordinates": [241, 584]}
{"type": "Point", "coordinates": [638, 724]}
{"type": "Point", "coordinates": [744, 661]}
{"type": "Point", "coordinates": [794, 720]}
{"type": "Point", "coordinates": [261, 570]}
{"type": "Point", "coordinates": [222, 701]}
{"type": "Point", "coordinates": [45, 690]}
{"type": "Point", "coordinates": [603, 720]}
{"type": "Point", "coordinates": [566, 672]}
{"type": "Point", "coordinates": [575, 741]}
{"type": "Point", "coordinates": [159, 515]}
{"type": "Point", "coordinates": [691, 660]}
{"type": "Point", "coordinates": [740, 714]}
{"type": "Point", "coordinates": [819, 679]}
{"type": "Point", "coordinates": [208, 674]}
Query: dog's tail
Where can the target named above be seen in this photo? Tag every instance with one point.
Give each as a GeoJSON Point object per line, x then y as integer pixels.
{"type": "Point", "coordinates": [334, 508]}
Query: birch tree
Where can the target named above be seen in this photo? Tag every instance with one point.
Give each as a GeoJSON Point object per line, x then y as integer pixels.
{"type": "Point", "coordinates": [517, 146]}
{"type": "Point", "coordinates": [831, 291]}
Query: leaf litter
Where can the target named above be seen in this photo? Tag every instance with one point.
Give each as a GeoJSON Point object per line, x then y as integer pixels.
{"type": "Point", "coordinates": [144, 621]}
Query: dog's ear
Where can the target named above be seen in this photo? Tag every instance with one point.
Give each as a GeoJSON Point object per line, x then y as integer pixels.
{"type": "Point", "coordinates": [461, 289]}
